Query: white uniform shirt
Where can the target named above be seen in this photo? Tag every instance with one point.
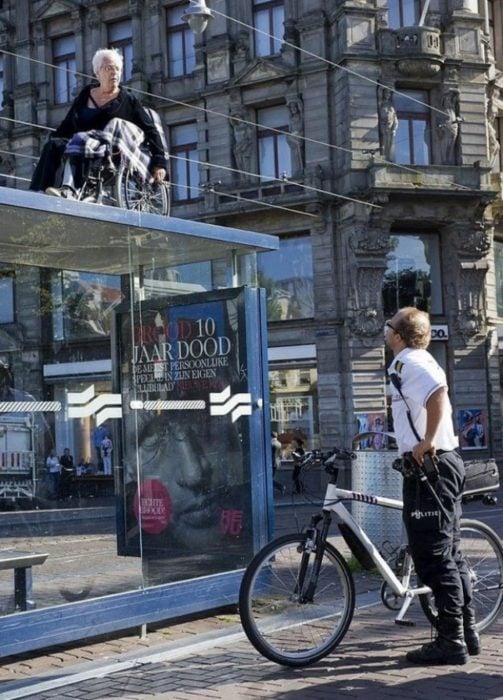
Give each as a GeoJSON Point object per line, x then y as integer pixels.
{"type": "Point", "coordinates": [420, 377]}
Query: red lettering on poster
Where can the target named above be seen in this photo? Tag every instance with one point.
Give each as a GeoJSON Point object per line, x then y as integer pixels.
{"type": "Point", "coordinates": [155, 512]}
{"type": "Point", "coordinates": [231, 522]}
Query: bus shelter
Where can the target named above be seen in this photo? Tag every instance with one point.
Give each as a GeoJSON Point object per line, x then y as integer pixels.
{"type": "Point", "coordinates": [138, 343]}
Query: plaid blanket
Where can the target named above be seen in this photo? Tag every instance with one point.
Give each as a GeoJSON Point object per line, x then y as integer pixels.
{"type": "Point", "coordinates": [119, 137]}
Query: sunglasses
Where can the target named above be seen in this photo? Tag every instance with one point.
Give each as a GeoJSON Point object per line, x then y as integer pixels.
{"type": "Point", "coordinates": [389, 325]}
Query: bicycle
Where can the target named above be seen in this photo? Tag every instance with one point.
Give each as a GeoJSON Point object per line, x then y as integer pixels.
{"type": "Point", "coordinates": [297, 596]}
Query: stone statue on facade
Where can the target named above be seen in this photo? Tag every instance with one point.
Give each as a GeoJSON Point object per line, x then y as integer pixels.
{"type": "Point", "coordinates": [493, 102]}
{"type": "Point", "coordinates": [448, 128]}
{"type": "Point", "coordinates": [294, 140]}
{"type": "Point", "coordinates": [388, 123]}
{"type": "Point", "coordinates": [243, 140]}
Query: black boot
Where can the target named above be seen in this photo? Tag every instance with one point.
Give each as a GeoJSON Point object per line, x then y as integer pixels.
{"type": "Point", "coordinates": [448, 648]}
{"type": "Point", "coordinates": [472, 638]}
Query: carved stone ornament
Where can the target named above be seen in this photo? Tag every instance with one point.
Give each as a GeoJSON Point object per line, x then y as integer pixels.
{"type": "Point", "coordinates": [370, 240]}
{"type": "Point", "coordinates": [365, 308]}
{"type": "Point", "coordinates": [473, 239]}
{"type": "Point", "coordinates": [470, 322]}
{"type": "Point", "coordinates": [418, 67]}
{"type": "Point", "coordinates": [470, 297]}
{"type": "Point", "coordinates": [367, 322]}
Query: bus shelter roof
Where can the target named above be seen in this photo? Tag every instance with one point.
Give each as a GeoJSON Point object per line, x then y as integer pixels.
{"type": "Point", "coordinates": [64, 234]}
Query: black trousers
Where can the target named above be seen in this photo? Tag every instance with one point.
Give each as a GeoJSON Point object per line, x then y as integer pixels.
{"type": "Point", "coordinates": [47, 171]}
{"type": "Point", "coordinates": [434, 540]}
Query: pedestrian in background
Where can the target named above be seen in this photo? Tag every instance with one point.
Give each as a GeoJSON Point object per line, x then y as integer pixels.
{"type": "Point", "coordinates": [276, 462]}
{"type": "Point", "coordinates": [422, 417]}
{"type": "Point", "coordinates": [106, 455]}
{"type": "Point", "coordinates": [66, 474]}
{"type": "Point", "coordinates": [298, 456]}
{"type": "Point", "coordinates": [53, 470]}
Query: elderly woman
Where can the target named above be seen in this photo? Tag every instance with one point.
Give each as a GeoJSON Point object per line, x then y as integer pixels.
{"type": "Point", "coordinates": [93, 109]}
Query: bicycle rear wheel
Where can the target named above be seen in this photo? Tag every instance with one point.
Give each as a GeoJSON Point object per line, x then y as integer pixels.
{"type": "Point", "coordinates": [286, 622]}
{"type": "Point", "coordinates": [483, 552]}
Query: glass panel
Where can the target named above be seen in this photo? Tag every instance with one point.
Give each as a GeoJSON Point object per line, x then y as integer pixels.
{"type": "Point", "coordinates": [2, 81]}
{"type": "Point", "coordinates": [287, 276]}
{"type": "Point", "coordinates": [284, 157]}
{"type": "Point", "coordinates": [84, 306]}
{"type": "Point", "coordinates": [421, 137]}
{"type": "Point", "coordinates": [6, 298]}
{"type": "Point", "coordinates": [118, 31]}
{"type": "Point", "coordinates": [262, 41]}
{"type": "Point", "coordinates": [181, 50]}
{"type": "Point", "coordinates": [498, 267]}
{"type": "Point", "coordinates": [419, 103]}
{"type": "Point", "coordinates": [175, 54]}
{"type": "Point", "coordinates": [64, 45]}
{"type": "Point", "coordinates": [267, 162]}
{"type": "Point", "coordinates": [187, 510]}
{"type": "Point", "coordinates": [294, 410]}
{"type": "Point", "coordinates": [402, 143]}
{"type": "Point", "coordinates": [278, 18]}
{"type": "Point", "coordinates": [273, 116]}
{"type": "Point", "coordinates": [62, 462]}
{"type": "Point", "coordinates": [412, 277]}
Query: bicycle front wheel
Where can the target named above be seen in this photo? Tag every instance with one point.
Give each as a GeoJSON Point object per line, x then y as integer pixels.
{"type": "Point", "coordinates": [483, 552]}
{"type": "Point", "coordinates": [290, 616]}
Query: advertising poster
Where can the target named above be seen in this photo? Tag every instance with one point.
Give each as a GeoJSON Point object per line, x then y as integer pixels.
{"type": "Point", "coordinates": [186, 468]}
{"type": "Point", "coordinates": [472, 428]}
{"type": "Point", "coordinates": [375, 422]}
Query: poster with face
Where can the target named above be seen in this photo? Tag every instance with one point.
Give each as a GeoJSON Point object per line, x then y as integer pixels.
{"type": "Point", "coordinates": [472, 428]}
{"type": "Point", "coordinates": [183, 367]}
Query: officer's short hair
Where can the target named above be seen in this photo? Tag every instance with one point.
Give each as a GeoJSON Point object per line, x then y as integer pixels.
{"type": "Point", "coordinates": [414, 327]}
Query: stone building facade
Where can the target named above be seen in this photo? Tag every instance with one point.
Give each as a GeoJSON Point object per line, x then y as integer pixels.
{"type": "Point", "coordinates": [366, 139]}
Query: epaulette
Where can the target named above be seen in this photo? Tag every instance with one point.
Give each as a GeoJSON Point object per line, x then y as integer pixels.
{"type": "Point", "coordinates": [398, 366]}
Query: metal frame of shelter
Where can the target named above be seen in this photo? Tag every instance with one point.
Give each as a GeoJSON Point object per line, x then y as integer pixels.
{"type": "Point", "coordinates": [41, 231]}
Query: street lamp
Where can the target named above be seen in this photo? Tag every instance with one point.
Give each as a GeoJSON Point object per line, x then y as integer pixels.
{"type": "Point", "coordinates": [197, 16]}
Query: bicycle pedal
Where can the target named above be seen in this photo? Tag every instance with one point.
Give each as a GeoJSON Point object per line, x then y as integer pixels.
{"type": "Point", "coordinates": [405, 623]}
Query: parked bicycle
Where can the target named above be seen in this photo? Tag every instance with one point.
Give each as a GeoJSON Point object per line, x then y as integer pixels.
{"type": "Point", "coordinates": [297, 596]}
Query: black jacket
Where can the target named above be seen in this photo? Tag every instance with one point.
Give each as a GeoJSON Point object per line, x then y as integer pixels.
{"type": "Point", "coordinates": [125, 106]}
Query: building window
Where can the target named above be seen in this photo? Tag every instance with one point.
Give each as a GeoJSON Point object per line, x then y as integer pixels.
{"type": "Point", "coordinates": [6, 297]}
{"type": "Point", "coordinates": [181, 51]}
{"type": "Point", "coordinates": [63, 58]}
{"type": "Point", "coordinates": [412, 276]}
{"type": "Point", "coordinates": [403, 13]}
{"type": "Point", "coordinates": [287, 276]}
{"type": "Point", "coordinates": [268, 17]}
{"type": "Point", "coordinates": [294, 406]}
{"type": "Point", "coordinates": [274, 155]}
{"type": "Point", "coordinates": [498, 264]}
{"type": "Point", "coordinates": [83, 304]}
{"type": "Point", "coordinates": [120, 36]}
{"type": "Point", "coordinates": [184, 163]}
{"type": "Point", "coordinates": [413, 136]}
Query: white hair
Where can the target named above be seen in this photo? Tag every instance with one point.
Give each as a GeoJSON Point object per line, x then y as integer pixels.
{"type": "Point", "coordinates": [113, 54]}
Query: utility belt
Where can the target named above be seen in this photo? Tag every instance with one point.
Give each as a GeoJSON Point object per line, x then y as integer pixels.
{"type": "Point", "coordinates": [410, 468]}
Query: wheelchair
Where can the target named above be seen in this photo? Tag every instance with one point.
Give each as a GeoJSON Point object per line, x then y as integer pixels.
{"type": "Point", "coordinates": [109, 181]}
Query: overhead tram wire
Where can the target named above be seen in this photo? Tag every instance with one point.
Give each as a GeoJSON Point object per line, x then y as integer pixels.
{"type": "Point", "coordinates": [205, 110]}
{"type": "Point", "coordinates": [213, 189]}
{"type": "Point", "coordinates": [284, 180]}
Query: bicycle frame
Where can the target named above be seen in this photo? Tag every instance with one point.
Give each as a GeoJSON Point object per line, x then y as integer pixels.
{"type": "Point", "coordinates": [333, 504]}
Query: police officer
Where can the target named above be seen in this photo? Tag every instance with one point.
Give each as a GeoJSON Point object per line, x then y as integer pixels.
{"type": "Point", "coordinates": [422, 416]}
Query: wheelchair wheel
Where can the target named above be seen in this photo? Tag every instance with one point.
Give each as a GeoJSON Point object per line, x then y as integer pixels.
{"type": "Point", "coordinates": [483, 552]}
{"type": "Point", "coordinates": [133, 194]}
